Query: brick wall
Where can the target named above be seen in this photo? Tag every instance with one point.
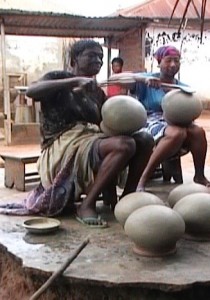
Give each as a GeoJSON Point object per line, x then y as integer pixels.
{"type": "Point", "coordinates": [132, 50]}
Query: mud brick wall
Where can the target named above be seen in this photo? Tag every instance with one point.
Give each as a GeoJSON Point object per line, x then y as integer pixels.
{"type": "Point", "coordinates": [132, 50]}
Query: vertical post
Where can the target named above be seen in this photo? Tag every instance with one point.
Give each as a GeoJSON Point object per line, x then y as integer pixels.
{"type": "Point", "coordinates": [5, 81]}
{"type": "Point", "coordinates": [109, 48]}
{"type": "Point", "coordinates": [143, 33]}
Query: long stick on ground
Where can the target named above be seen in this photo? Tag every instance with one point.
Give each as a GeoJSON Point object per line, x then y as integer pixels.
{"type": "Point", "coordinates": [57, 273]}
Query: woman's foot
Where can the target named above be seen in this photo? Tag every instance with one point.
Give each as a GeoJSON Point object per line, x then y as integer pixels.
{"type": "Point", "coordinates": [140, 188]}
{"type": "Point", "coordinates": [202, 180]}
{"type": "Point", "coordinates": [89, 217]}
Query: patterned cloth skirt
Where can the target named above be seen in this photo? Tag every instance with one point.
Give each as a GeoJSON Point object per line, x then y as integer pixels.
{"type": "Point", "coordinates": [155, 126]}
{"type": "Point", "coordinates": [66, 170]}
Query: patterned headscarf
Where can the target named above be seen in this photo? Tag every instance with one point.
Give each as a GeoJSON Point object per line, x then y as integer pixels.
{"type": "Point", "coordinates": [166, 51]}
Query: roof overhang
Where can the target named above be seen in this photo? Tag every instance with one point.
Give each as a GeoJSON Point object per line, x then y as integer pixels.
{"type": "Point", "coordinates": [19, 22]}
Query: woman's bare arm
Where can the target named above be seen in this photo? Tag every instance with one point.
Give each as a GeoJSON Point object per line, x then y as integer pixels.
{"type": "Point", "coordinates": [43, 88]}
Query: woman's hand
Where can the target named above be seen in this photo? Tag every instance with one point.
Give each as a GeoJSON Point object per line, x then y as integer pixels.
{"type": "Point", "coordinates": [84, 84]}
{"type": "Point", "coordinates": [153, 82]}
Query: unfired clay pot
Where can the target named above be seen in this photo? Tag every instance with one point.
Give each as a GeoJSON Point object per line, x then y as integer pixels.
{"type": "Point", "coordinates": [155, 230]}
{"type": "Point", "coordinates": [181, 108]}
{"type": "Point", "coordinates": [108, 131]}
{"type": "Point", "coordinates": [195, 210]}
{"type": "Point", "coordinates": [183, 190]}
{"type": "Point", "coordinates": [133, 201]}
{"type": "Point", "coordinates": [123, 114]}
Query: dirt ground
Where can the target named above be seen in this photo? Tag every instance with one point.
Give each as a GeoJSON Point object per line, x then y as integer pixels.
{"type": "Point", "coordinates": [19, 283]}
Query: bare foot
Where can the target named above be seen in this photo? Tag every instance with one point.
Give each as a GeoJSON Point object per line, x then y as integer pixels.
{"type": "Point", "coordinates": [202, 180]}
{"type": "Point", "coordinates": [140, 188]}
{"type": "Point", "coordinates": [89, 217]}
{"type": "Point", "coordinates": [84, 212]}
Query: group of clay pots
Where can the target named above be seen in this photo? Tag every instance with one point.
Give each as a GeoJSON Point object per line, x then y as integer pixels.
{"type": "Point", "coordinates": [155, 228]}
{"type": "Point", "coordinates": [123, 115]}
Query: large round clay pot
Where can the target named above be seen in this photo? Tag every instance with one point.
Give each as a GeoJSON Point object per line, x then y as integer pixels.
{"type": "Point", "coordinates": [195, 210]}
{"type": "Point", "coordinates": [155, 230]}
{"type": "Point", "coordinates": [107, 131]}
{"type": "Point", "coordinates": [181, 108]}
{"type": "Point", "coordinates": [123, 114]}
{"type": "Point", "coordinates": [133, 201]}
{"type": "Point", "coordinates": [183, 190]}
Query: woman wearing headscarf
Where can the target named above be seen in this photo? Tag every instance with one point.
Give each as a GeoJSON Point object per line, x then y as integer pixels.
{"type": "Point", "coordinates": [170, 139]}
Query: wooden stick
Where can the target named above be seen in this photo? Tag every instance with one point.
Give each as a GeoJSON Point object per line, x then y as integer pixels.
{"type": "Point", "coordinates": [57, 273]}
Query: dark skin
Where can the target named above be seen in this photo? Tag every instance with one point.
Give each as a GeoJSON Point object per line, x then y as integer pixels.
{"type": "Point", "coordinates": [192, 136]}
{"type": "Point", "coordinates": [116, 152]}
{"type": "Point", "coordinates": [116, 67]}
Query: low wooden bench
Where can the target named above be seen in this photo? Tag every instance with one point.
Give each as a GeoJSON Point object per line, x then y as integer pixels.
{"type": "Point", "coordinates": [15, 169]}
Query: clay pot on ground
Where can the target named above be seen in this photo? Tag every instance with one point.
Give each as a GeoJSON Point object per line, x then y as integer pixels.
{"type": "Point", "coordinates": [195, 210]}
{"type": "Point", "coordinates": [181, 108]}
{"type": "Point", "coordinates": [123, 114]}
{"type": "Point", "coordinates": [183, 190]}
{"type": "Point", "coordinates": [133, 201]}
{"type": "Point", "coordinates": [155, 230]}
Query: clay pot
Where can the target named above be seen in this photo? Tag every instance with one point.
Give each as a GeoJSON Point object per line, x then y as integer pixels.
{"type": "Point", "coordinates": [181, 108]}
{"type": "Point", "coordinates": [123, 114]}
{"type": "Point", "coordinates": [155, 230]}
{"type": "Point", "coordinates": [133, 201]}
{"type": "Point", "coordinates": [107, 131]}
{"type": "Point", "coordinates": [195, 210]}
{"type": "Point", "coordinates": [183, 190]}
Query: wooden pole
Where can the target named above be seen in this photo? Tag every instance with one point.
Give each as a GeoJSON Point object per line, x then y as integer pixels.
{"type": "Point", "coordinates": [60, 271]}
{"type": "Point", "coordinates": [109, 50]}
{"type": "Point", "coordinates": [5, 82]}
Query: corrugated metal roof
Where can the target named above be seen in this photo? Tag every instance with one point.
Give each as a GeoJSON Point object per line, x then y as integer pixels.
{"type": "Point", "coordinates": [19, 22]}
{"type": "Point", "coordinates": [163, 9]}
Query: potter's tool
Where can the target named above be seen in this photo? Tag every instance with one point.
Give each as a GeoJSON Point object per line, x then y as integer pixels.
{"type": "Point", "coordinates": [132, 78]}
{"type": "Point", "coordinates": [185, 89]}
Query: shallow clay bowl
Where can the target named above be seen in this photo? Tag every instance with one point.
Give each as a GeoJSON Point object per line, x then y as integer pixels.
{"type": "Point", "coordinates": [41, 225]}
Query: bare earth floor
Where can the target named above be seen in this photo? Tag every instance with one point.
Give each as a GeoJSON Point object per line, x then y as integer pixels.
{"type": "Point", "coordinates": [107, 268]}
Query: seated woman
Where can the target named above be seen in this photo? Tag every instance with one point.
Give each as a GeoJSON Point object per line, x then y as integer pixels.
{"type": "Point", "coordinates": [77, 158]}
{"type": "Point", "coordinates": [169, 138]}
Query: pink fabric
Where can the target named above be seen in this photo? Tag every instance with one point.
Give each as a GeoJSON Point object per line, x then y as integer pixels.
{"type": "Point", "coordinates": [166, 51]}
{"type": "Point", "coordinates": [113, 90]}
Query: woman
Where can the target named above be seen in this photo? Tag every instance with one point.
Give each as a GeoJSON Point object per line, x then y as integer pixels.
{"type": "Point", "coordinates": [169, 138]}
{"type": "Point", "coordinates": [77, 158]}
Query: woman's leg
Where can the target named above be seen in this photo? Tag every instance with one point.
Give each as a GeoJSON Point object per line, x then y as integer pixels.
{"type": "Point", "coordinates": [144, 149]}
{"type": "Point", "coordinates": [197, 144]}
{"type": "Point", "coordinates": [168, 145]}
{"type": "Point", "coordinates": [115, 153]}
